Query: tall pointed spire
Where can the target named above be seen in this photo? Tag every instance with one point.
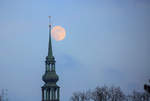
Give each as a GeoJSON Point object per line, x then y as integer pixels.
{"type": "Point", "coordinates": [50, 90]}
{"type": "Point", "coordinates": [50, 53]}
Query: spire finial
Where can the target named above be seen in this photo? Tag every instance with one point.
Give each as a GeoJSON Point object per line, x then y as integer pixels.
{"type": "Point", "coordinates": [50, 53]}
{"type": "Point", "coordinates": [49, 20]}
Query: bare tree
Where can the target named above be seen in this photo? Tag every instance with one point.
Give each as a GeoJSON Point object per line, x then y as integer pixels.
{"type": "Point", "coordinates": [80, 96]}
{"type": "Point", "coordinates": [109, 94]}
{"type": "Point", "coordinates": [75, 97]}
{"type": "Point", "coordinates": [140, 96]}
{"type": "Point", "coordinates": [84, 96]}
{"type": "Point", "coordinates": [100, 94]}
{"type": "Point", "coordinates": [116, 94]}
{"type": "Point", "coordinates": [146, 96]}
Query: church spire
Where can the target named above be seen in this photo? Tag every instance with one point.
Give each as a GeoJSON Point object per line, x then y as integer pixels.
{"type": "Point", "coordinates": [50, 90]}
{"type": "Point", "coordinates": [50, 53]}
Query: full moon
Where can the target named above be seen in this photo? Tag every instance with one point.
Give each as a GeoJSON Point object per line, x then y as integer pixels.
{"type": "Point", "coordinates": [58, 33]}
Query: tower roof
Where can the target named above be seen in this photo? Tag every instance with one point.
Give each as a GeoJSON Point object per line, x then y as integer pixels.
{"type": "Point", "coordinates": [50, 75]}
{"type": "Point", "coordinates": [50, 52]}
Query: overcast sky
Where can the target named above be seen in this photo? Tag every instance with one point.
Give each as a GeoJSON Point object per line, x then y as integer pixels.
{"type": "Point", "coordinates": [107, 43]}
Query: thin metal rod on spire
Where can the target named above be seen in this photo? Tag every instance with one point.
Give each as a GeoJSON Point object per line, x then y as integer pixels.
{"type": "Point", "coordinates": [49, 20]}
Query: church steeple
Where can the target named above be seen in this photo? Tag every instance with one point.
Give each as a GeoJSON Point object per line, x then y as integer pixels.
{"type": "Point", "coordinates": [50, 58]}
{"type": "Point", "coordinates": [50, 90]}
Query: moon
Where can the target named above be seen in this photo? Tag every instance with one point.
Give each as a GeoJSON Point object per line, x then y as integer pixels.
{"type": "Point", "coordinates": [58, 33]}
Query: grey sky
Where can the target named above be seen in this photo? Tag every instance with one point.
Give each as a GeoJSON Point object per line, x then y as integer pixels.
{"type": "Point", "coordinates": [107, 42]}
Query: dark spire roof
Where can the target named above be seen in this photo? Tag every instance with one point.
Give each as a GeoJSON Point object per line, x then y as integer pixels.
{"type": "Point", "coordinates": [50, 77]}
{"type": "Point", "coordinates": [50, 53]}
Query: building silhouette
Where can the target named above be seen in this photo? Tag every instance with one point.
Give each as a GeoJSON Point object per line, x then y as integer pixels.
{"type": "Point", "coordinates": [147, 88]}
{"type": "Point", "coordinates": [50, 90]}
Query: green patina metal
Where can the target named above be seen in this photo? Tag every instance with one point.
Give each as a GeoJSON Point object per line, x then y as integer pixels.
{"type": "Point", "coordinates": [50, 53]}
{"type": "Point", "coordinates": [50, 90]}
